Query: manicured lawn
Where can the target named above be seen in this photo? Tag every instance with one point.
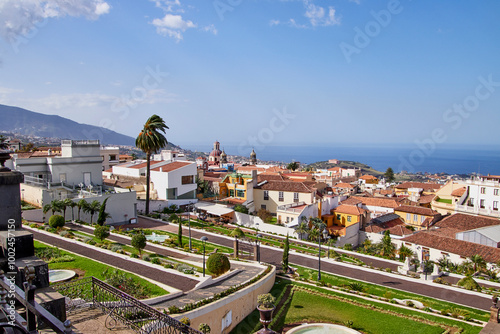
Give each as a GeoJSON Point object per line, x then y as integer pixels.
{"type": "Point", "coordinates": [443, 200]}
{"type": "Point", "coordinates": [389, 293]}
{"type": "Point", "coordinates": [96, 269]}
{"type": "Point", "coordinates": [308, 307]}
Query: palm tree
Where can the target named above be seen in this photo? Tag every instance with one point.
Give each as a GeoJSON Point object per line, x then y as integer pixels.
{"type": "Point", "coordinates": [54, 206]}
{"type": "Point", "coordinates": [479, 262]}
{"type": "Point", "coordinates": [313, 234]}
{"type": "Point", "coordinates": [150, 140]}
{"type": "Point", "coordinates": [82, 205]}
{"type": "Point", "coordinates": [65, 203]}
{"type": "Point", "coordinates": [92, 208]}
{"type": "Point", "coordinates": [303, 227]}
{"type": "Point", "coordinates": [405, 252]}
{"type": "Point", "coordinates": [72, 205]}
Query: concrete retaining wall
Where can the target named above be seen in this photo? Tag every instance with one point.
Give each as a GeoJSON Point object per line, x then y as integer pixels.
{"type": "Point", "coordinates": [223, 315]}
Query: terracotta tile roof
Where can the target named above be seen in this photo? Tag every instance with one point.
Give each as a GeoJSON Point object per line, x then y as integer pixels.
{"type": "Point", "coordinates": [343, 185]}
{"type": "Point", "coordinates": [270, 177]}
{"type": "Point", "coordinates": [450, 245]}
{"type": "Point", "coordinates": [425, 186]}
{"type": "Point", "coordinates": [288, 186]}
{"type": "Point", "coordinates": [350, 210]}
{"type": "Point", "coordinates": [458, 192]}
{"type": "Point", "coordinates": [386, 191]}
{"type": "Point", "coordinates": [171, 166]}
{"type": "Point", "coordinates": [109, 170]}
{"type": "Point", "coordinates": [419, 210]}
{"type": "Point", "coordinates": [382, 202]}
{"type": "Point", "coordinates": [463, 222]}
{"type": "Point", "coordinates": [335, 169]}
{"type": "Point", "coordinates": [138, 166]}
{"type": "Point", "coordinates": [399, 230]}
{"type": "Point", "coordinates": [426, 199]}
{"type": "Point", "coordinates": [351, 201]}
{"type": "Point", "coordinates": [368, 177]}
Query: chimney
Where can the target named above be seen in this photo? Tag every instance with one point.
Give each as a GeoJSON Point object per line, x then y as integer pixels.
{"type": "Point", "coordinates": [161, 169]}
{"type": "Point", "coordinates": [49, 151]}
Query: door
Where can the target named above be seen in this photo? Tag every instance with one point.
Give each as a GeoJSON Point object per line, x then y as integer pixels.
{"type": "Point", "coordinates": [87, 179]}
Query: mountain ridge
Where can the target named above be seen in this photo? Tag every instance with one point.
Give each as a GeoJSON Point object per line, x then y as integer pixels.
{"type": "Point", "coordinates": [27, 122]}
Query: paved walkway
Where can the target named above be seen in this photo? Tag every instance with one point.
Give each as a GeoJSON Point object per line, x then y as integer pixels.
{"type": "Point", "coordinates": [180, 282]}
{"type": "Point", "coordinates": [274, 256]}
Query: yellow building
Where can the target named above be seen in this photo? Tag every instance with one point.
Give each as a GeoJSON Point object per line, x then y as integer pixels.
{"type": "Point", "coordinates": [344, 216]}
{"type": "Point", "coordinates": [236, 188]}
{"type": "Point", "coordinates": [271, 194]}
{"type": "Point", "coordinates": [417, 216]}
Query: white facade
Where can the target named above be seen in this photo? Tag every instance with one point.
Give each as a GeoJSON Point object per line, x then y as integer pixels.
{"type": "Point", "coordinates": [482, 198]}
{"type": "Point", "coordinates": [179, 183]}
{"type": "Point", "coordinates": [80, 163]}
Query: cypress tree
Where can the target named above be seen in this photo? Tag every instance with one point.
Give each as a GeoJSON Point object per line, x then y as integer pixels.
{"type": "Point", "coordinates": [286, 250]}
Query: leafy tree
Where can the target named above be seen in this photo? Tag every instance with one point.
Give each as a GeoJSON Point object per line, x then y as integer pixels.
{"type": "Point", "coordinates": [387, 247]}
{"type": "Point", "coordinates": [101, 232]}
{"type": "Point", "coordinates": [56, 221]}
{"type": "Point", "coordinates": [29, 147]}
{"type": "Point", "coordinates": [389, 175]}
{"type": "Point", "coordinates": [405, 252]}
{"type": "Point", "coordinates": [240, 208]}
{"type": "Point", "coordinates": [101, 219]}
{"type": "Point", "coordinates": [92, 208]}
{"type": "Point", "coordinates": [179, 234]}
{"type": "Point", "coordinates": [3, 142]}
{"type": "Point", "coordinates": [82, 205]}
{"type": "Point", "coordinates": [286, 250]}
{"type": "Point", "coordinates": [265, 215]}
{"type": "Point", "coordinates": [139, 242]}
{"type": "Point", "coordinates": [292, 166]}
{"type": "Point", "coordinates": [150, 140]}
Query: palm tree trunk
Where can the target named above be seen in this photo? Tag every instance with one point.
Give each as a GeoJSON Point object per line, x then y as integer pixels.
{"type": "Point", "coordinates": [148, 176]}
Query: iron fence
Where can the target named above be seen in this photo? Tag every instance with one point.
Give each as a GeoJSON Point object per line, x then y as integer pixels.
{"type": "Point", "coordinates": [119, 307]}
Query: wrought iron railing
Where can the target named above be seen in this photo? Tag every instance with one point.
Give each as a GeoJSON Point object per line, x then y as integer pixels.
{"type": "Point", "coordinates": [120, 307]}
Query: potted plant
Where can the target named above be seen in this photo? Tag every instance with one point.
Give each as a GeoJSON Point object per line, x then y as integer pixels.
{"type": "Point", "coordinates": [265, 305]}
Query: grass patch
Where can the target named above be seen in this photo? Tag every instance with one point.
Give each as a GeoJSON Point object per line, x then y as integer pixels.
{"type": "Point", "coordinates": [389, 293]}
{"type": "Point", "coordinates": [96, 269]}
{"type": "Point", "coordinates": [444, 200]}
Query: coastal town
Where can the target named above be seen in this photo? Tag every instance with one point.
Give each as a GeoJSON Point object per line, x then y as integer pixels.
{"type": "Point", "coordinates": [436, 239]}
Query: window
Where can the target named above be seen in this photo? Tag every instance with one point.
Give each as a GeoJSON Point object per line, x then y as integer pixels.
{"type": "Point", "coordinates": [281, 196]}
{"type": "Point", "coordinates": [495, 205]}
{"type": "Point", "coordinates": [481, 203]}
{"type": "Point", "coordinates": [263, 206]}
{"type": "Point", "coordinates": [348, 218]}
{"type": "Point", "coordinates": [338, 216]}
{"type": "Point", "coordinates": [266, 195]}
{"type": "Point", "coordinates": [422, 218]}
{"type": "Point", "coordinates": [483, 190]}
{"type": "Point", "coordinates": [408, 217]}
{"type": "Point", "coordinates": [415, 218]}
{"type": "Point", "coordinates": [112, 157]}
{"type": "Point", "coordinates": [172, 193]}
{"type": "Point", "coordinates": [495, 192]}
{"type": "Point", "coordinates": [240, 193]}
{"type": "Point", "coordinates": [295, 197]}
{"type": "Point", "coordinates": [287, 220]}
{"type": "Point", "coordinates": [471, 201]}
{"type": "Point", "coordinates": [187, 179]}
{"type": "Point", "coordinates": [231, 192]}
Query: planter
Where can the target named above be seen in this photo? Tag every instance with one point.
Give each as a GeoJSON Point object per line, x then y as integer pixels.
{"type": "Point", "coordinates": [266, 316]}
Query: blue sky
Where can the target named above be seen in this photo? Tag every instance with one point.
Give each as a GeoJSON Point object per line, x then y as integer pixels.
{"type": "Point", "coordinates": [268, 72]}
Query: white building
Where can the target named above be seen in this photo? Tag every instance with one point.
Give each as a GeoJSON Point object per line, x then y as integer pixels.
{"type": "Point", "coordinates": [481, 197]}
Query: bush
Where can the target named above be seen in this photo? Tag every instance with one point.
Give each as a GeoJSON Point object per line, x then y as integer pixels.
{"type": "Point", "coordinates": [60, 259]}
{"type": "Point", "coordinates": [65, 233]}
{"type": "Point", "coordinates": [348, 247]}
{"type": "Point", "coordinates": [56, 221]}
{"type": "Point", "coordinates": [134, 255]}
{"type": "Point", "coordinates": [91, 242]}
{"type": "Point", "coordinates": [147, 258]}
{"type": "Point", "coordinates": [173, 309]}
{"type": "Point", "coordinates": [186, 321]}
{"type": "Point", "coordinates": [116, 248]}
{"type": "Point", "coordinates": [204, 328]}
{"type": "Point", "coordinates": [218, 264]}
{"type": "Point", "coordinates": [33, 225]}
{"type": "Point", "coordinates": [101, 232]}
{"type": "Point", "coordinates": [155, 260]}
{"type": "Point", "coordinates": [168, 266]}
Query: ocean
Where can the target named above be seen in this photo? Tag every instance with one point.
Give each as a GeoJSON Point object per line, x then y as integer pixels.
{"type": "Point", "coordinates": [412, 158]}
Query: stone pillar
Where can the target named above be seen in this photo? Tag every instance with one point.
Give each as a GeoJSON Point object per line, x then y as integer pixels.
{"type": "Point", "coordinates": [494, 314]}
{"type": "Point", "coordinates": [10, 199]}
{"type": "Point", "coordinates": [236, 248]}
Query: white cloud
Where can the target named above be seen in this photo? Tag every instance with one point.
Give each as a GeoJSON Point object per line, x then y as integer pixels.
{"type": "Point", "coordinates": [22, 16]}
{"type": "Point", "coordinates": [317, 15]}
{"type": "Point", "coordinates": [211, 29]}
{"type": "Point", "coordinates": [169, 5]}
{"type": "Point", "coordinates": [172, 26]}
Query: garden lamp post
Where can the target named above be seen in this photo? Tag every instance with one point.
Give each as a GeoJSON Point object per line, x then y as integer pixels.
{"type": "Point", "coordinates": [189, 207]}
{"type": "Point", "coordinates": [258, 246]}
{"type": "Point", "coordinates": [203, 241]}
{"type": "Point", "coordinates": [327, 238]}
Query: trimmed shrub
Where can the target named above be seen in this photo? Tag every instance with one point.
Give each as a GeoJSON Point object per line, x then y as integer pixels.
{"type": "Point", "coordinates": [155, 260]}
{"type": "Point", "coordinates": [218, 264]}
{"type": "Point", "coordinates": [101, 232]}
{"type": "Point", "coordinates": [56, 221]}
{"type": "Point", "coordinates": [186, 321]}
